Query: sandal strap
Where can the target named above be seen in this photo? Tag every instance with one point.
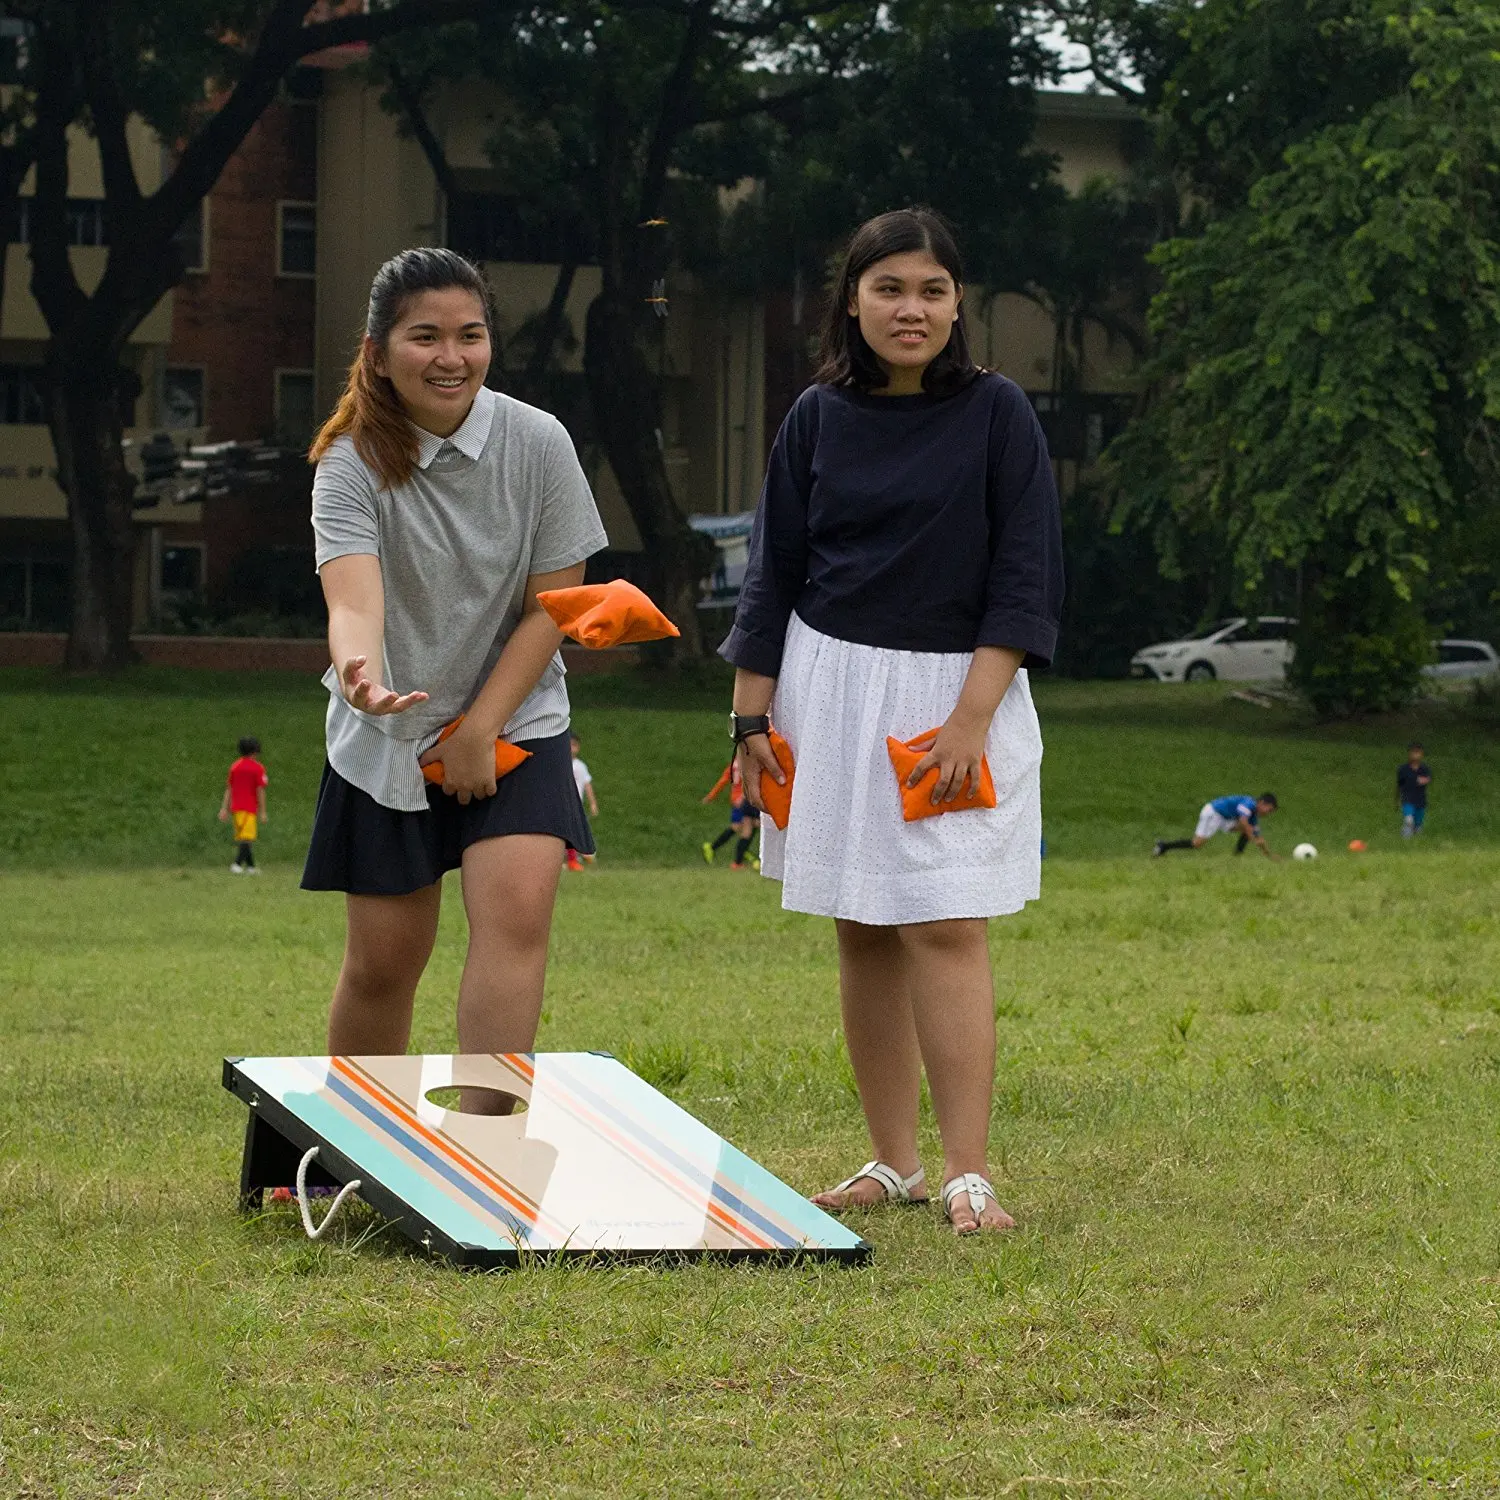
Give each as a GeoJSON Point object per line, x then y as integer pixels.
{"type": "Point", "coordinates": [896, 1186]}
{"type": "Point", "coordinates": [978, 1188]}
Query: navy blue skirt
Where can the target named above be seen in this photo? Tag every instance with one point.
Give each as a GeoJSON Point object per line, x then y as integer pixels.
{"type": "Point", "coordinates": [365, 849]}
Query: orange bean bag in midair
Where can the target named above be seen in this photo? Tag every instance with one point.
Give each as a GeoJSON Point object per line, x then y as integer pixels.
{"type": "Point", "coordinates": [598, 615]}
{"type": "Point", "coordinates": [507, 756]}
{"type": "Point", "coordinates": [916, 801]}
{"type": "Point", "coordinates": [776, 797]}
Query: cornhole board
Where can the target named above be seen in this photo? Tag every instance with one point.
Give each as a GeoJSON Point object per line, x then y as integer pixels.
{"type": "Point", "coordinates": [597, 1163]}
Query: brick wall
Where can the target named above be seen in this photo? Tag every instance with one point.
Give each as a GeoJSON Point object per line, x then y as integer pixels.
{"type": "Point", "coordinates": [239, 319]}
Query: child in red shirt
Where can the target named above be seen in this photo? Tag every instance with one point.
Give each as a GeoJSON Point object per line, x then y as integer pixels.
{"type": "Point", "coordinates": [245, 801]}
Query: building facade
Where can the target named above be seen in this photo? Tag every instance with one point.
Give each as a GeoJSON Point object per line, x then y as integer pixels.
{"type": "Point", "coordinates": [255, 343]}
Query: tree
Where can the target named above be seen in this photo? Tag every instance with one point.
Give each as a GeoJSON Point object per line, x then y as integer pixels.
{"type": "Point", "coordinates": [1328, 390]}
{"type": "Point", "coordinates": [611, 118]}
{"type": "Point", "coordinates": [200, 72]}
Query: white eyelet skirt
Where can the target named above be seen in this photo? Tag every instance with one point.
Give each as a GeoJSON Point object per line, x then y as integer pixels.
{"type": "Point", "coordinates": [846, 851]}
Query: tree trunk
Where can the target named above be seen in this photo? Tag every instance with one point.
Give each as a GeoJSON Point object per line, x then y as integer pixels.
{"type": "Point", "coordinates": [625, 391]}
{"type": "Point", "coordinates": [83, 413]}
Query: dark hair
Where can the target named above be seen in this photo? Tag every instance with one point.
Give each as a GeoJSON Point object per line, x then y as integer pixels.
{"type": "Point", "coordinates": [1415, 745]}
{"type": "Point", "coordinates": [1268, 797]}
{"type": "Point", "coordinates": [249, 745]}
{"type": "Point", "coordinates": [369, 410]}
{"type": "Point", "coordinates": [844, 356]}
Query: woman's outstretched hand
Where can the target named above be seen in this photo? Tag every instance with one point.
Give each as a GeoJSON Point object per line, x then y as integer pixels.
{"type": "Point", "coordinates": [362, 692]}
{"type": "Point", "coordinates": [958, 753]}
{"type": "Point", "coordinates": [755, 755]}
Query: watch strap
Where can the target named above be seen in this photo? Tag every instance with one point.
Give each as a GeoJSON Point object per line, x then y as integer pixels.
{"type": "Point", "coordinates": [742, 726]}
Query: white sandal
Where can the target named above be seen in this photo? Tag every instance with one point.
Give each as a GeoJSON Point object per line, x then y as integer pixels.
{"type": "Point", "coordinates": [898, 1189]}
{"type": "Point", "coordinates": [979, 1190]}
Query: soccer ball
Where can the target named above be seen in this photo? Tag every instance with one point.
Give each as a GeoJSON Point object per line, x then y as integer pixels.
{"type": "Point", "coordinates": [1304, 851]}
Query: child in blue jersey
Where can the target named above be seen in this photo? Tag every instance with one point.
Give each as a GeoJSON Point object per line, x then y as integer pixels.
{"type": "Point", "coordinates": [1412, 780]}
{"type": "Point", "coordinates": [1241, 814]}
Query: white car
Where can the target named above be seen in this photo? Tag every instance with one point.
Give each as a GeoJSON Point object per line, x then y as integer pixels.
{"type": "Point", "coordinates": [1238, 650]}
{"type": "Point", "coordinates": [1460, 659]}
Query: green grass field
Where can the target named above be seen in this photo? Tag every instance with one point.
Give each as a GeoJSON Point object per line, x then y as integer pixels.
{"type": "Point", "coordinates": [1245, 1117]}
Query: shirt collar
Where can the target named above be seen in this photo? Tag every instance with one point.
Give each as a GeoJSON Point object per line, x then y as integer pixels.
{"type": "Point", "coordinates": [471, 436]}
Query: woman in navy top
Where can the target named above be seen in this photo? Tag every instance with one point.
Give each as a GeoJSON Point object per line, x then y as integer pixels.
{"type": "Point", "coordinates": [905, 570]}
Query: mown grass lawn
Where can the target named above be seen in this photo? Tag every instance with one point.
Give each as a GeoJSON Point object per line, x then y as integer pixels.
{"type": "Point", "coordinates": [1245, 1117]}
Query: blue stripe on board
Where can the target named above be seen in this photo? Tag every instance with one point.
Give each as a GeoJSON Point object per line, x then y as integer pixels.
{"type": "Point", "coordinates": [689, 1169]}
{"type": "Point", "coordinates": [415, 1145]}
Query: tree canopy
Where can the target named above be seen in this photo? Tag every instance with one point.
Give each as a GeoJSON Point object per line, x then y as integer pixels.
{"type": "Point", "coordinates": [1324, 385]}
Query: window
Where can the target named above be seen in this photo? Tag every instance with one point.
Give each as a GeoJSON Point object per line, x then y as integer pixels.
{"type": "Point", "coordinates": [1453, 651]}
{"type": "Point", "coordinates": [86, 222]}
{"type": "Point", "coordinates": [182, 397]}
{"type": "Point", "coordinates": [491, 226]}
{"type": "Point", "coordinates": [182, 569]}
{"type": "Point", "coordinates": [15, 49]}
{"type": "Point", "coordinates": [1266, 630]}
{"type": "Point", "coordinates": [21, 403]}
{"type": "Point", "coordinates": [294, 408]}
{"type": "Point", "coordinates": [297, 235]}
{"type": "Point", "coordinates": [35, 590]}
{"type": "Point", "coordinates": [191, 238]}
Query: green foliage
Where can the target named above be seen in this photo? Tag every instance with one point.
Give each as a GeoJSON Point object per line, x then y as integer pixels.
{"type": "Point", "coordinates": [1357, 654]}
{"type": "Point", "coordinates": [937, 108]}
{"type": "Point", "coordinates": [1327, 382]}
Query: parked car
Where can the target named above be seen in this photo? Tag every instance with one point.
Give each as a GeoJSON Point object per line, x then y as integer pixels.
{"type": "Point", "coordinates": [1242, 649]}
{"type": "Point", "coordinates": [1460, 659]}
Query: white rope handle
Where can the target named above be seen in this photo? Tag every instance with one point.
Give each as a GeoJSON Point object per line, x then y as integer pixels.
{"type": "Point", "coordinates": [314, 1232]}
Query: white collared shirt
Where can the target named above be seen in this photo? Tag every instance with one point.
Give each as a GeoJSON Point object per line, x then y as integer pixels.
{"type": "Point", "coordinates": [501, 499]}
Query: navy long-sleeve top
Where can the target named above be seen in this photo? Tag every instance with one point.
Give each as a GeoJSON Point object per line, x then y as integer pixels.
{"type": "Point", "coordinates": [917, 523]}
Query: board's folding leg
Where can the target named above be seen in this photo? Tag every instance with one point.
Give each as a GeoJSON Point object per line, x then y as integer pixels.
{"type": "Point", "coordinates": [270, 1161]}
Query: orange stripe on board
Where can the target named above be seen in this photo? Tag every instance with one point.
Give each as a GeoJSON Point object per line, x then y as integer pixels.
{"type": "Point", "coordinates": [376, 1091]}
{"type": "Point", "coordinates": [688, 1192]}
{"type": "Point", "coordinates": [518, 1063]}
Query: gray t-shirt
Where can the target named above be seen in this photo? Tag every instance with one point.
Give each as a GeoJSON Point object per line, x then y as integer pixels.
{"type": "Point", "coordinates": [501, 499]}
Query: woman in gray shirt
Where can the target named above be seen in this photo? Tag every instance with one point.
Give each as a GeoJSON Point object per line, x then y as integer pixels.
{"type": "Point", "coordinates": [440, 510]}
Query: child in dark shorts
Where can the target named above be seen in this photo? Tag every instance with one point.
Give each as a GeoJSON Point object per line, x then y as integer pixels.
{"type": "Point", "coordinates": [744, 820]}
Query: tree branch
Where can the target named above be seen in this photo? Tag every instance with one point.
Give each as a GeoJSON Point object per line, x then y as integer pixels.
{"type": "Point", "coordinates": [769, 105]}
{"type": "Point", "coordinates": [550, 327]}
{"type": "Point", "coordinates": [416, 116]}
{"type": "Point", "coordinates": [676, 114]}
{"type": "Point", "coordinates": [53, 283]}
{"type": "Point", "coordinates": [110, 117]}
{"type": "Point", "coordinates": [282, 42]}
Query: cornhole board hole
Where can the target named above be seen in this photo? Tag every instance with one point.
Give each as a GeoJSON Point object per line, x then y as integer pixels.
{"type": "Point", "coordinates": [597, 1162]}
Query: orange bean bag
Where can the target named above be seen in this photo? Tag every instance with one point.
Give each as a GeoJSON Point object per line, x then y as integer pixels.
{"type": "Point", "coordinates": [507, 756]}
{"type": "Point", "coordinates": [597, 615]}
{"type": "Point", "coordinates": [777, 798]}
{"type": "Point", "coordinates": [916, 801]}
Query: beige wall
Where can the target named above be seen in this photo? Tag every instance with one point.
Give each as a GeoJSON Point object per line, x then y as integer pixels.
{"type": "Point", "coordinates": [26, 455]}
{"type": "Point", "coordinates": [376, 195]}
{"type": "Point", "coordinates": [21, 318]}
{"type": "Point", "coordinates": [522, 289]}
{"type": "Point", "coordinates": [1014, 335]}
{"type": "Point", "coordinates": [1092, 135]}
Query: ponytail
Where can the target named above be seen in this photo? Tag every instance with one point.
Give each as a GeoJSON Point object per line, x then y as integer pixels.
{"type": "Point", "coordinates": [371, 414]}
{"type": "Point", "coordinates": [369, 410]}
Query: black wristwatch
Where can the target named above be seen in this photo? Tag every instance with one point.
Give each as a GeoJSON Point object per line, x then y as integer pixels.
{"type": "Point", "coordinates": [742, 726]}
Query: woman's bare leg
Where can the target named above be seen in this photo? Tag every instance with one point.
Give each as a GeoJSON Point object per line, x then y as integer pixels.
{"type": "Point", "coordinates": [510, 886]}
{"type": "Point", "coordinates": [388, 944]}
{"type": "Point", "coordinates": [882, 1042]}
{"type": "Point", "coordinates": [953, 1006]}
